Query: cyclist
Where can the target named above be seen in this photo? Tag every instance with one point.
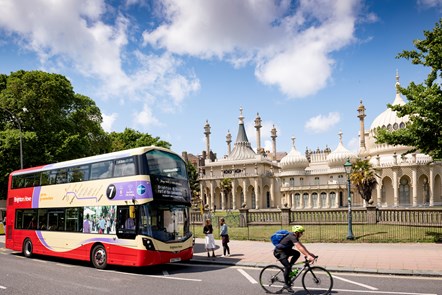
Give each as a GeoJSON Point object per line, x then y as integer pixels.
{"type": "Point", "coordinates": [285, 249]}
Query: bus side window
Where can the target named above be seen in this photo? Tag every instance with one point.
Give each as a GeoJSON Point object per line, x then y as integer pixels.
{"type": "Point", "coordinates": [101, 170]}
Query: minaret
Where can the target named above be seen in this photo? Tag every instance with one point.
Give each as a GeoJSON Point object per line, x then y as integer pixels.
{"type": "Point", "coordinates": [229, 141]}
{"type": "Point", "coordinates": [258, 134]}
{"type": "Point", "coordinates": [361, 116]}
{"type": "Point", "coordinates": [273, 136]}
{"type": "Point", "coordinates": [207, 133]}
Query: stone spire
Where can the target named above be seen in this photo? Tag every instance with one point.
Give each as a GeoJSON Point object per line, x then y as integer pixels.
{"type": "Point", "coordinates": [361, 116]}
{"type": "Point", "coordinates": [258, 126]}
{"type": "Point", "coordinates": [207, 134]}
{"type": "Point", "coordinates": [229, 141]}
{"type": "Point", "coordinates": [242, 149]}
{"type": "Point", "coordinates": [273, 136]}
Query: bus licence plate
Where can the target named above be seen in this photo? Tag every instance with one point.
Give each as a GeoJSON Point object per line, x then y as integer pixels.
{"type": "Point", "coordinates": [175, 259]}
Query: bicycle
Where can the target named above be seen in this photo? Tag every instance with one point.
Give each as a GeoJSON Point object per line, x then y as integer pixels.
{"type": "Point", "coordinates": [315, 279]}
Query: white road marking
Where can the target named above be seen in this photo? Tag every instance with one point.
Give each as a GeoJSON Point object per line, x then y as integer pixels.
{"type": "Point", "coordinates": [355, 283]}
{"type": "Point", "coordinates": [3, 287]}
{"type": "Point", "coordinates": [152, 276]}
{"type": "Point", "coordinates": [65, 265]}
{"type": "Point", "coordinates": [251, 280]}
{"type": "Point", "coordinates": [381, 292]}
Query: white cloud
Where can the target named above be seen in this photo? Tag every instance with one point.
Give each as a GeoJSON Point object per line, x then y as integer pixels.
{"type": "Point", "coordinates": [291, 48]}
{"type": "Point", "coordinates": [91, 38]}
{"type": "Point", "coordinates": [108, 121]}
{"type": "Point", "coordinates": [146, 118]}
{"type": "Point", "coordinates": [322, 123]}
{"type": "Point", "coordinates": [430, 3]}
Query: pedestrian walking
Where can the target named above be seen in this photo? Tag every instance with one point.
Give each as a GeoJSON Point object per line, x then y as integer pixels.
{"type": "Point", "coordinates": [210, 240]}
{"type": "Point", "coordinates": [224, 233]}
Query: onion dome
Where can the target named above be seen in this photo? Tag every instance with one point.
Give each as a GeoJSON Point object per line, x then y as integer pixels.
{"type": "Point", "coordinates": [294, 159]}
{"type": "Point", "coordinates": [340, 155]}
{"type": "Point", "coordinates": [389, 118]}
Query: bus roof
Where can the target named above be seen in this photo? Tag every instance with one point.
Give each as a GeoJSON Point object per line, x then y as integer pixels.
{"type": "Point", "coordinates": [91, 159]}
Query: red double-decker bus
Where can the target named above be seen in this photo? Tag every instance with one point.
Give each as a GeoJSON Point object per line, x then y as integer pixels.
{"type": "Point", "coordinates": [126, 208]}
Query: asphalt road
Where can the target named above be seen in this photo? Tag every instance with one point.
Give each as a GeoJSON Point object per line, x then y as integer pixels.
{"type": "Point", "coordinates": [45, 275]}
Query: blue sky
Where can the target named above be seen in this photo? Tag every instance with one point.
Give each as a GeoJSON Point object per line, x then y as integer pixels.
{"type": "Point", "coordinates": [165, 67]}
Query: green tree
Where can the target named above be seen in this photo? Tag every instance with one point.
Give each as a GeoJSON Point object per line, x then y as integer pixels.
{"type": "Point", "coordinates": [56, 123]}
{"type": "Point", "coordinates": [363, 177]}
{"type": "Point", "coordinates": [424, 129]}
{"type": "Point", "coordinates": [193, 178]}
{"type": "Point", "coordinates": [131, 138]}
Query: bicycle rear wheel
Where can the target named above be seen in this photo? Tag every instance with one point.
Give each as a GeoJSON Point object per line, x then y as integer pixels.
{"type": "Point", "coordinates": [271, 279]}
{"type": "Point", "coordinates": [317, 280]}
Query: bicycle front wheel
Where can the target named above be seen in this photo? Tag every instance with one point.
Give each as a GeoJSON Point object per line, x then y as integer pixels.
{"type": "Point", "coordinates": [317, 280]}
{"type": "Point", "coordinates": [271, 279]}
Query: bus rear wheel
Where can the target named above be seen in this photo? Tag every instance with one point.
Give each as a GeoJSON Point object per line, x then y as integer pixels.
{"type": "Point", "coordinates": [99, 257]}
{"type": "Point", "coordinates": [27, 248]}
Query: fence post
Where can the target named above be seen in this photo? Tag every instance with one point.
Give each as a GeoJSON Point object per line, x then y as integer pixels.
{"type": "Point", "coordinates": [285, 216]}
{"type": "Point", "coordinates": [243, 217]}
{"type": "Point", "coordinates": [371, 214]}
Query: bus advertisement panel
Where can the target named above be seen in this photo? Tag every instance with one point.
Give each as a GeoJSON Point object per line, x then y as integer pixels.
{"type": "Point", "coordinates": [126, 208]}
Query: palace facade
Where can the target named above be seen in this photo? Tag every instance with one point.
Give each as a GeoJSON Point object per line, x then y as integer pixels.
{"type": "Point", "coordinates": [316, 179]}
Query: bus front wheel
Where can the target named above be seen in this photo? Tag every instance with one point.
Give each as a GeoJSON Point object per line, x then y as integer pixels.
{"type": "Point", "coordinates": [99, 257]}
{"type": "Point", "coordinates": [27, 248]}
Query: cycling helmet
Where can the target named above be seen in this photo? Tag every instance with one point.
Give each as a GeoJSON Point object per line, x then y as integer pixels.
{"type": "Point", "coordinates": [298, 229]}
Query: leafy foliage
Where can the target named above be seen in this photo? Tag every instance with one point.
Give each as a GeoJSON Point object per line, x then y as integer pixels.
{"type": "Point", "coordinates": [56, 123]}
{"type": "Point", "coordinates": [130, 138]}
{"type": "Point", "coordinates": [363, 177]}
{"type": "Point", "coordinates": [424, 130]}
{"type": "Point", "coordinates": [193, 179]}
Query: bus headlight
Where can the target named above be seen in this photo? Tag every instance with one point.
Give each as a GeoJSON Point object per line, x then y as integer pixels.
{"type": "Point", "coordinates": [148, 244]}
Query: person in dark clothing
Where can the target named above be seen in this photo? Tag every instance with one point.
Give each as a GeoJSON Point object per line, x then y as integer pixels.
{"type": "Point", "coordinates": [285, 249]}
{"type": "Point", "coordinates": [210, 240]}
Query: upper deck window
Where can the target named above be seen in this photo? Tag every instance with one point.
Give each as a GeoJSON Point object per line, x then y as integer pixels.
{"type": "Point", "coordinates": [166, 164]}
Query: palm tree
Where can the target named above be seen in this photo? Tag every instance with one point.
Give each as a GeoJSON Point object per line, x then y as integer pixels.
{"type": "Point", "coordinates": [363, 177]}
{"type": "Point", "coordinates": [226, 186]}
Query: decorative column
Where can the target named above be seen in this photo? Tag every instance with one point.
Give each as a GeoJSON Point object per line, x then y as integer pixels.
{"type": "Point", "coordinates": [395, 189]}
{"type": "Point", "coordinates": [234, 194]}
{"type": "Point", "coordinates": [212, 195]}
{"type": "Point", "coordinates": [256, 194]}
{"type": "Point", "coordinates": [272, 195]}
{"type": "Point", "coordinates": [223, 202]}
{"type": "Point", "coordinates": [258, 133]}
{"type": "Point", "coordinates": [273, 136]}
{"type": "Point", "coordinates": [431, 186]}
{"type": "Point", "coordinates": [207, 134]}
{"type": "Point", "coordinates": [378, 191]}
{"type": "Point", "coordinates": [245, 193]}
{"type": "Point", "coordinates": [361, 116]}
{"type": "Point", "coordinates": [229, 141]}
{"type": "Point", "coordinates": [414, 183]}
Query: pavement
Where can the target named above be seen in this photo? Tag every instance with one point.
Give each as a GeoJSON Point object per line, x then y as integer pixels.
{"type": "Point", "coordinates": [376, 258]}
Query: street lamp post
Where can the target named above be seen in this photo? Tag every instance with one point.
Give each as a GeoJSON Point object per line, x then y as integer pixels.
{"type": "Point", "coordinates": [347, 167]}
{"type": "Point", "coordinates": [19, 128]}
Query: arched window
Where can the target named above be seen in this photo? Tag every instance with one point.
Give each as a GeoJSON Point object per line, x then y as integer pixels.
{"type": "Point", "coordinates": [305, 197]}
{"type": "Point", "coordinates": [268, 199]}
{"type": "Point", "coordinates": [315, 200]}
{"type": "Point", "coordinates": [333, 200]}
{"type": "Point", "coordinates": [404, 192]}
{"type": "Point", "coordinates": [253, 199]}
{"type": "Point", "coordinates": [323, 200]}
{"type": "Point", "coordinates": [292, 181]}
{"type": "Point", "coordinates": [298, 200]}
